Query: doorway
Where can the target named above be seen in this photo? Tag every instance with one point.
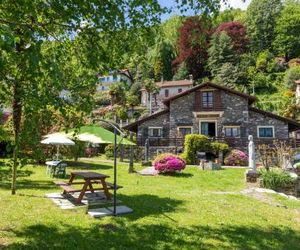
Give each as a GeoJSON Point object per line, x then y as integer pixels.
{"type": "Point", "coordinates": [208, 128]}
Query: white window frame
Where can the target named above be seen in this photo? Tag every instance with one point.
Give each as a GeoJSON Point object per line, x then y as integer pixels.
{"type": "Point", "coordinates": [273, 129]}
{"type": "Point", "coordinates": [239, 127]}
{"type": "Point", "coordinates": [161, 132]}
{"type": "Point", "coordinates": [210, 121]}
{"type": "Point", "coordinates": [179, 127]}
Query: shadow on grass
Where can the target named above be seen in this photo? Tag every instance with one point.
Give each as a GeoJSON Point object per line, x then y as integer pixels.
{"type": "Point", "coordinates": [178, 175]}
{"type": "Point", "coordinates": [122, 235]}
{"type": "Point", "coordinates": [147, 204]}
{"type": "Point", "coordinates": [29, 184]}
{"type": "Point", "coordinates": [88, 165]}
{"type": "Point", "coordinates": [6, 174]}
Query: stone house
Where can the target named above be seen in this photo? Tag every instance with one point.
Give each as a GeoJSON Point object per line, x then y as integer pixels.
{"type": "Point", "coordinates": [219, 112]}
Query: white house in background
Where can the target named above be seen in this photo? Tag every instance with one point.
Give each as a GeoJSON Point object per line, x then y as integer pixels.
{"type": "Point", "coordinates": [167, 89]}
{"type": "Point", "coordinates": [113, 77]}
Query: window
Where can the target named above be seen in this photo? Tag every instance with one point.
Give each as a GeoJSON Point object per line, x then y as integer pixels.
{"type": "Point", "coordinates": [155, 132]}
{"type": "Point", "coordinates": [179, 90]}
{"type": "Point", "coordinates": [183, 131]}
{"type": "Point", "coordinates": [166, 93]}
{"type": "Point", "coordinates": [232, 131]}
{"type": "Point", "coordinates": [207, 99]}
{"type": "Point", "coordinates": [265, 132]}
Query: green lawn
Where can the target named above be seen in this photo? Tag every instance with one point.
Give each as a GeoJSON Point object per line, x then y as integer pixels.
{"type": "Point", "coordinates": [178, 212]}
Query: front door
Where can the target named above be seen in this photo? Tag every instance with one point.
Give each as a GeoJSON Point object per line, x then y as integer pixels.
{"type": "Point", "coordinates": [208, 129]}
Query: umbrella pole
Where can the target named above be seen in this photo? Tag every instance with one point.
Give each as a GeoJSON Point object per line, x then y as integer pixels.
{"type": "Point", "coordinates": [115, 171]}
{"type": "Point", "coordinates": [57, 152]}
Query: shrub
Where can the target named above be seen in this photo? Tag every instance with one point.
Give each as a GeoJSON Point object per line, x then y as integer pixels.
{"type": "Point", "coordinates": [109, 151]}
{"type": "Point", "coordinates": [166, 163]}
{"type": "Point", "coordinates": [219, 147]}
{"type": "Point", "coordinates": [236, 158]}
{"type": "Point", "coordinates": [194, 143]}
{"type": "Point", "coordinates": [275, 179]}
{"type": "Point", "coordinates": [297, 165]}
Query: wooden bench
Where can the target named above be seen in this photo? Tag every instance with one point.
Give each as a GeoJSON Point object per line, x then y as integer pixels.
{"type": "Point", "coordinates": [69, 189]}
{"type": "Point", "coordinates": [109, 185]}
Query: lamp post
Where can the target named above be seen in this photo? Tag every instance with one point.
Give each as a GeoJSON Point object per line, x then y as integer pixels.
{"type": "Point", "coordinates": [116, 129]}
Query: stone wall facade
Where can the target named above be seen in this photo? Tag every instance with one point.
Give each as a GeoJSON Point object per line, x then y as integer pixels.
{"type": "Point", "coordinates": [235, 112]}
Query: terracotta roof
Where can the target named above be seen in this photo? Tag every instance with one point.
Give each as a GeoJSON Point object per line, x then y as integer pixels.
{"type": "Point", "coordinates": [133, 125]}
{"type": "Point", "coordinates": [293, 125]}
{"type": "Point", "coordinates": [297, 81]}
{"type": "Point", "coordinates": [250, 98]}
{"type": "Point", "coordinates": [174, 83]}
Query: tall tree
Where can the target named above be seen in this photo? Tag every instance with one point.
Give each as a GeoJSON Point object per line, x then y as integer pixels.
{"type": "Point", "coordinates": [220, 52]}
{"type": "Point", "coordinates": [193, 44]}
{"type": "Point", "coordinates": [260, 22]}
{"type": "Point", "coordinates": [287, 29]}
{"type": "Point", "coordinates": [237, 32]}
{"type": "Point", "coordinates": [90, 29]}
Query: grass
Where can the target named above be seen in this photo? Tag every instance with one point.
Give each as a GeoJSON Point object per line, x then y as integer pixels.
{"type": "Point", "coordinates": [170, 212]}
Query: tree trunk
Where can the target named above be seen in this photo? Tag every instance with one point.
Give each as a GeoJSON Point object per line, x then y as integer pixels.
{"type": "Point", "coordinates": [130, 167]}
{"type": "Point", "coordinates": [17, 113]}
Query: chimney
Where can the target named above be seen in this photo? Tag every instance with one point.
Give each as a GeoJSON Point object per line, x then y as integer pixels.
{"type": "Point", "coordinates": [191, 78]}
{"type": "Point", "coordinates": [162, 78]}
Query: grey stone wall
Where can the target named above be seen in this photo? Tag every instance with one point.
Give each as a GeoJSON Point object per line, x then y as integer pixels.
{"type": "Point", "coordinates": [181, 114]}
{"type": "Point", "coordinates": [235, 112]}
{"type": "Point", "coordinates": [159, 121]}
{"type": "Point", "coordinates": [256, 119]}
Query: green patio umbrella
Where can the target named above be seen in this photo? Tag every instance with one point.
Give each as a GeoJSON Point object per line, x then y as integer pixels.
{"type": "Point", "coordinates": [97, 134]}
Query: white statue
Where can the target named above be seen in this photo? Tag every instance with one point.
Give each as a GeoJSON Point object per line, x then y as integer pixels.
{"type": "Point", "coordinates": [251, 150]}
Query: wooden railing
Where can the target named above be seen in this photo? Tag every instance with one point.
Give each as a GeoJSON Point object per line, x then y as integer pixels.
{"type": "Point", "coordinates": [232, 142]}
{"type": "Point", "coordinates": [199, 108]}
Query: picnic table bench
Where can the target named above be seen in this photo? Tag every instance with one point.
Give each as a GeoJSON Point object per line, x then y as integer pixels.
{"type": "Point", "coordinates": [89, 178]}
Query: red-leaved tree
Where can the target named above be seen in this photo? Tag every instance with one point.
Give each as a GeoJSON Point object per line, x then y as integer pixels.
{"type": "Point", "coordinates": [193, 44]}
{"type": "Point", "coordinates": [238, 34]}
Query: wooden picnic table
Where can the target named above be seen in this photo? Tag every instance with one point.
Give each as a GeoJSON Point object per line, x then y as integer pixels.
{"type": "Point", "coordinates": [89, 178]}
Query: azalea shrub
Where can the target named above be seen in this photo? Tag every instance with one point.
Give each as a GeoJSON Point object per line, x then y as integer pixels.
{"type": "Point", "coordinates": [236, 158]}
{"type": "Point", "coordinates": [167, 163]}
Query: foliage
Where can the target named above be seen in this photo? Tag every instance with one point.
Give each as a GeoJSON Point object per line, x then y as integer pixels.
{"type": "Point", "coordinates": [194, 143]}
{"type": "Point", "coordinates": [102, 98]}
{"type": "Point", "coordinates": [109, 151]}
{"type": "Point", "coordinates": [291, 75]}
{"type": "Point", "coordinates": [236, 158]}
{"type": "Point", "coordinates": [193, 43]}
{"type": "Point", "coordinates": [275, 179]}
{"type": "Point", "coordinates": [237, 32]}
{"type": "Point", "coordinates": [219, 147]}
{"type": "Point", "coordinates": [117, 94]}
{"type": "Point", "coordinates": [287, 41]}
{"type": "Point", "coordinates": [220, 52]}
{"type": "Point", "coordinates": [297, 165]}
{"type": "Point", "coordinates": [261, 21]}
{"type": "Point", "coordinates": [181, 73]}
{"type": "Point", "coordinates": [168, 163]}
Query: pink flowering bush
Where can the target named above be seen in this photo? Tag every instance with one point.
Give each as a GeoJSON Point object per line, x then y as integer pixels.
{"type": "Point", "coordinates": [167, 163]}
{"type": "Point", "coordinates": [236, 158]}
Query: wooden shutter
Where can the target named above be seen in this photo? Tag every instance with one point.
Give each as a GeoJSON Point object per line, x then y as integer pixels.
{"type": "Point", "coordinates": [145, 132]}
{"type": "Point", "coordinates": [165, 132]}
{"type": "Point", "coordinates": [217, 100]}
{"type": "Point", "coordinates": [243, 131]}
{"type": "Point", "coordinates": [198, 101]}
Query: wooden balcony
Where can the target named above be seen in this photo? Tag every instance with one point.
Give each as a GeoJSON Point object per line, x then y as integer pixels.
{"type": "Point", "coordinates": [199, 108]}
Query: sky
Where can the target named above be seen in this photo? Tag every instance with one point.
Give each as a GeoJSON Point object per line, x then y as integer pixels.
{"type": "Point", "coordinates": [231, 3]}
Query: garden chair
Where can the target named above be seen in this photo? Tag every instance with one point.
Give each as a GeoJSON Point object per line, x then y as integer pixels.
{"type": "Point", "coordinates": [60, 170]}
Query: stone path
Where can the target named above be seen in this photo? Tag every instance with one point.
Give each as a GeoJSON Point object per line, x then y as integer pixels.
{"type": "Point", "coordinates": [68, 201]}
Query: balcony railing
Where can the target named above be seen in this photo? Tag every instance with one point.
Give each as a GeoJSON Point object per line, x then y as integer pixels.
{"type": "Point", "coordinates": [232, 142]}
